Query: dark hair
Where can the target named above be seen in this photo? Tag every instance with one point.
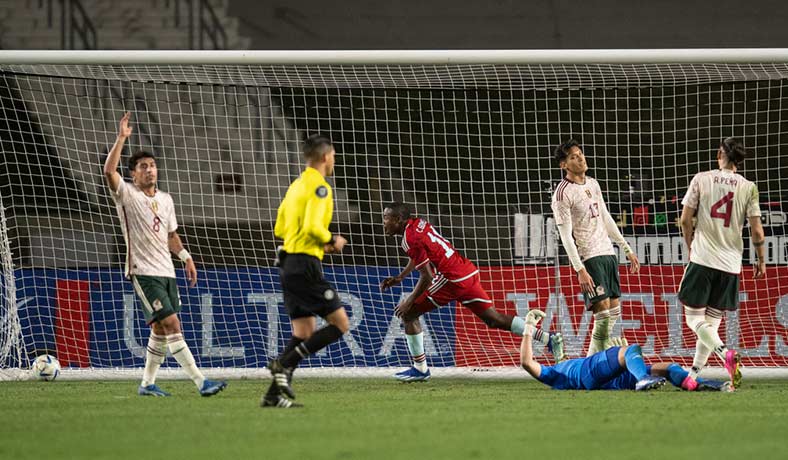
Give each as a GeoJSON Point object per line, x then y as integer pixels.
{"type": "Point", "coordinates": [316, 146]}
{"type": "Point", "coordinates": [562, 151]}
{"type": "Point", "coordinates": [137, 156]}
{"type": "Point", "coordinates": [400, 209]}
{"type": "Point", "coordinates": [733, 150]}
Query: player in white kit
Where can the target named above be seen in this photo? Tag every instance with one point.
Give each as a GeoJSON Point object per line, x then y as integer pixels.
{"type": "Point", "coordinates": [147, 217]}
{"type": "Point", "coordinates": [586, 228]}
{"type": "Point", "coordinates": [720, 201]}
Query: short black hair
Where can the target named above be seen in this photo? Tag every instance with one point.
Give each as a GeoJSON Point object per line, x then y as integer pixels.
{"type": "Point", "coordinates": [137, 156]}
{"type": "Point", "coordinates": [317, 145]}
{"type": "Point", "coordinates": [562, 151]}
{"type": "Point", "coordinates": [734, 150]}
{"type": "Point", "coordinates": [399, 208]}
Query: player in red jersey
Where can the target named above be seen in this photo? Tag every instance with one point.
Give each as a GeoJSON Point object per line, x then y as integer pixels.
{"type": "Point", "coordinates": [445, 276]}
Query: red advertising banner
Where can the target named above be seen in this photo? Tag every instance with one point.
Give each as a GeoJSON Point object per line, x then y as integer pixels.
{"type": "Point", "coordinates": [652, 316]}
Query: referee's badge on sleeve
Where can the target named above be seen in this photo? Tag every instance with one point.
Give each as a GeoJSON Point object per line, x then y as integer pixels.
{"type": "Point", "coordinates": [322, 191]}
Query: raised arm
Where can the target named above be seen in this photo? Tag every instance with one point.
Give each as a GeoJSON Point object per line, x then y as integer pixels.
{"type": "Point", "coordinates": [113, 158]}
{"type": "Point", "coordinates": [527, 360]}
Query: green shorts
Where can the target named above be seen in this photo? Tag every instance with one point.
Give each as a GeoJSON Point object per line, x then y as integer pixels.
{"type": "Point", "coordinates": [159, 296]}
{"type": "Point", "coordinates": [604, 272]}
{"type": "Point", "coordinates": [708, 287]}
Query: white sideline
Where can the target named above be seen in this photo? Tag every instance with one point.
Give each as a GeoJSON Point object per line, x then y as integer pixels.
{"type": "Point", "coordinates": [502, 373]}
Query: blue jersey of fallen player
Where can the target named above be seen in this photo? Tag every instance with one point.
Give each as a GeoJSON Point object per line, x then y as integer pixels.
{"type": "Point", "coordinates": [600, 371]}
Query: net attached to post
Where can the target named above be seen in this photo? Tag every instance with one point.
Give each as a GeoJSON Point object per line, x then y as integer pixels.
{"type": "Point", "coordinates": [470, 146]}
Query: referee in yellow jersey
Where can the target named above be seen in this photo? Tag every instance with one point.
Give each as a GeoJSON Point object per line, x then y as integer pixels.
{"type": "Point", "coordinates": [302, 222]}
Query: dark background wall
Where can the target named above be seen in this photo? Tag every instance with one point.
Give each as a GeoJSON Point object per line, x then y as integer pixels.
{"type": "Point", "coordinates": [362, 24]}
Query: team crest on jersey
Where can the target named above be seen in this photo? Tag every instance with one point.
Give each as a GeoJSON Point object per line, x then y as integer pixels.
{"type": "Point", "coordinates": [154, 205]}
{"type": "Point", "coordinates": [329, 294]}
{"type": "Point", "coordinates": [588, 192]}
{"type": "Point", "coordinates": [157, 305]}
{"type": "Point", "coordinates": [420, 226]}
{"type": "Point", "coordinates": [322, 191]}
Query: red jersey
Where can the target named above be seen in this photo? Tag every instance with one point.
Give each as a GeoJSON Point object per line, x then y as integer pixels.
{"type": "Point", "coordinates": [424, 244]}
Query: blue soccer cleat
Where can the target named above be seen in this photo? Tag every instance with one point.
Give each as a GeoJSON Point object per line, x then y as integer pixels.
{"type": "Point", "coordinates": [649, 382]}
{"type": "Point", "coordinates": [412, 375]}
{"type": "Point", "coordinates": [211, 387]}
{"type": "Point", "coordinates": [151, 390]}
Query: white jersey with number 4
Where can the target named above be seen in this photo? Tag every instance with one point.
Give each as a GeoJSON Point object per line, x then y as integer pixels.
{"type": "Point", "coordinates": [582, 205]}
{"type": "Point", "coordinates": [147, 222]}
{"type": "Point", "coordinates": [723, 200]}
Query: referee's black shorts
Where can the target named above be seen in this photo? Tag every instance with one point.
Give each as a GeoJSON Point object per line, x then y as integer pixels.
{"type": "Point", "coordinates": [306, 292]}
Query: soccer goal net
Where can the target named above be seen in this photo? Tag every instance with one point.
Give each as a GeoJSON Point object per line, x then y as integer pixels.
{"type": "Point", "coordinates": [469, 145]}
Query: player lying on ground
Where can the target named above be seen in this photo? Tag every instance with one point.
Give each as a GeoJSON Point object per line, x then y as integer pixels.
{"type": "Point", "coordinates": [617, 368]}
{"type": "Point", "coordinates": [445, 277]}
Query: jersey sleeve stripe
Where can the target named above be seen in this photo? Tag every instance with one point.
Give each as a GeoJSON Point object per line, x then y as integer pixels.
{"type": "Point", "coordinates": [559, 193]}
{"type": "Point", "coordinates": [422, 263]}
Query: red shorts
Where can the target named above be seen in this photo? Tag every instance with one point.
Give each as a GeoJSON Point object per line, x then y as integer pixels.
{"type": "Point", "coordinates": [469, 293]}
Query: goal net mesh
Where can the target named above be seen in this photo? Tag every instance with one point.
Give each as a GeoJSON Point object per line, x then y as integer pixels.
{"type": "Point", "coordinates": [469, 146]}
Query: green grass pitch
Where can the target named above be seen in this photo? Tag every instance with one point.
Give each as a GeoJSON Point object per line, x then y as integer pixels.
{"type": "Point", "coordinates": [383, 419]}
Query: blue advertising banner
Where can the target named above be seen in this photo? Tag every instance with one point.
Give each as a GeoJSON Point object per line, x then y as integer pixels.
{"type": "Point", "coordinates": [232, 318]}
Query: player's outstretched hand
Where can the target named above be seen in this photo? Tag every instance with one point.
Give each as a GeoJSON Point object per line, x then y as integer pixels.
{"type": "Point", "coordinates": [124, 130]}
{"type": "Point", "coordinates": [191, 272]}
{"type": "Point", "coordinates": [391, 281]}
{"type": "Point", "coordinates": [634, 263]}
{"type": "Point", "coordinates": [533, 317]}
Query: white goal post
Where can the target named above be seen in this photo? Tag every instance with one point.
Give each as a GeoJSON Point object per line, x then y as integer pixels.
{"type": "Point", "coordinates": [466, 136]}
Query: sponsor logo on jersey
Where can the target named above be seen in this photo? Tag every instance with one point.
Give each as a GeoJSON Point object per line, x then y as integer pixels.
{"type": "Point", "coordinates": [154, 205]}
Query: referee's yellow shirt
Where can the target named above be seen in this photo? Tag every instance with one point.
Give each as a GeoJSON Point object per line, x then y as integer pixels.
{"type": "Point", "coordinates": [305, 214]}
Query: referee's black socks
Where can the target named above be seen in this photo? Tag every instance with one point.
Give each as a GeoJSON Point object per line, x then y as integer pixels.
{"type": "Point", "coordinates": [294, 341]}
{"type": "Point", "coordinates": [319, 340]}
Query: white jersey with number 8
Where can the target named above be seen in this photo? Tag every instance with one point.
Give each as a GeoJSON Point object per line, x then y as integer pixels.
{"type": "Point", "coordinates": [723, 200]}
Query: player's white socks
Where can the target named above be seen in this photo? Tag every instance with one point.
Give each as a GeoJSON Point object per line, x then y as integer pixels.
{"type": "Point", "coordinates": [706, 332]}
{"type": "Point", "coordinates": [615, 314]}
{"type": "Point", "coordinates": [599, 332]}
{"type": "Point", "coordinates": [416, 348]}
{"type": "Point", "coordinates": [154, 356]}
{"type": "Point", "coordinates": [702, 352]}
{"type": "Point", "coordinates": [180, 351]}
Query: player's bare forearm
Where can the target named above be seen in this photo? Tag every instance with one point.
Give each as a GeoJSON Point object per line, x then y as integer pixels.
{"type": "Point", "coordinates": [527, 360]}
{"type": "Point", "coordinates": [174, 243]}
{"type": "Point", "coordinates": [759, 243]}
{"type": "Point", "coordinates": [113, 158]}
{"type": "Point", "coordinates": [176, 247]}
{"type": "Point", "coordinates": [687, 228]}
{"type": "Point", "coordinates": [406, 271]}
